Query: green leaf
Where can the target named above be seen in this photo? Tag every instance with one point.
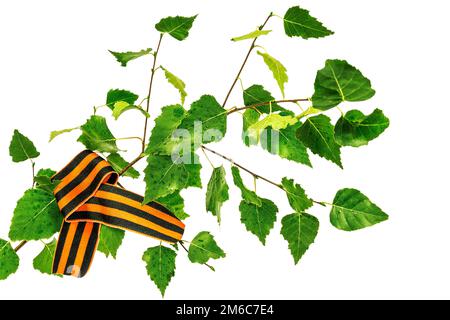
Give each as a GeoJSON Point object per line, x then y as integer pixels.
{"type": "Point", "coordinates": [44, 260]}
{"type": "Point", "coordinates": [259, 220]}
{"type": "Point", "coordinates": [116, 95]}
{"type": "Point", "coordinates": [299, 23]}
{"type": "Point", "coordinates": [124, 57]}
{"type": "Point", "coordinates": [356, 129]}
{"type": "Point", "coordinates": [296, 195]}
{"type": "Point", "coordinates": [97, 136]}
{"type": "Point", "coordinates": [248, 195]}
{"type": "Point", "coordinates": [317, 133]}
{"type": "Point", "coordinates": [217, 192]}
{"type": "Point", "coordinates": [21, 148]}
{"type": "Point", "coordinates": [175, 203]}
{"type": "Point", "coordinates": [273, 120]}
{"type": "Point", "coordinates": [178, 27]}
{"type": "Point", "coordinates": [46, 173]}
{"type": "Point", "coordinates": [287, 146]}
{"type": "Point", "coordinates": [249, 118]}
{"type": "Point", "coordinates": [57, 133]}
{"type": "Point", "coordinates": [45, 183]}
{"type": "Point", "coordinates": [36, 216]}
{"type": "Point", "coordinates": [9, 260]}
{"type": "Point", "coordinates": [277, 68]}
{"type": "Point", "coordinates": [160, 263]}
{"type": "Point", "coordinates": [122, 106]}
{"type": "Point", "coordinates": [252, 35]}
{"type": "Point", "coordinates": [163, 176]}
{"type": "Point", "coordinates": [352, 210]}
{"type": "Point", "coordinates": [167, 122]}
{"type": "Point", "coordinates": [110, 240]}
{"type": "Point", "coordinates": [256, 94]}
{"type": "Point", "coordinates": [118, 163]}
{"type": "Point", "coordinates": [203, 248]}
{"type": "Point", "coordinates": [339, 81]}
{"type": "Point", "coordinates": [300, 231]}
{"type": "Point", "coordinates": [177, 83]}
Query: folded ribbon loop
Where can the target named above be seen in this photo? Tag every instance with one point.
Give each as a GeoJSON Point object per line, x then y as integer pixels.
{"type": "Point", "coordinates": [88, 197]}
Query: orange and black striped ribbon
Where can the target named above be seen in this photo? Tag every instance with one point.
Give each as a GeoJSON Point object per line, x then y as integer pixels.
{"type": "Point", "coordinates": [88, 197]}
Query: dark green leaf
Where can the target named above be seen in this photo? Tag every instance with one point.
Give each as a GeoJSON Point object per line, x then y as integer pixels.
{"type": "Point", "coordinates": [9, 260]}
{"type": "Point", "coordinates": [124, 57]}
{"type": "Point", "coordinates": [256, 94]}
{"type": "Point", "coordinates": [21, 148]}
{"type": "Point", "coordinates": [43, 180]}
{"type": "Point", "coordinates": [299, 23]}
{"type": "Point", "coordinates": [300, 231]}
{"type": "Point", "coordinates": [177, 83]}
{"type": "Point", "coordinates": [44, 260]}
{"type": "Point", "coordinates": [296, 195]}
{"type": "Point", "coordinates": [339, 81]}
{"type": "Point", "coordinates": [203, 248]}
{"type": "Point", "coordinates": [116, 95]}
{"type": "Point", "coordinates": [356, 129]}
{"type": "Point", "coordinates": [118, 163]}
{"type": "Point", "coordinates": [175, 203]}
{"type": "Point", "coordinates": [178, 27]}
{"type": "Point", "coordinates": [46, 173]}
{"type": "Point", "coordinates": [96, 135]}
{"type": "Point", "coordinates": [248, 195]}
{"type": "Point", "coordinates": [259, 220]}
{"type": "Point", "coordinates": [317, 133]}
{"type": "Point", "coordinates": [352, 210]}
{"type": "Point", "coordinates": [110, 240]}
{"type": "Point", "coordinates": [249, 117]}
{"type": "Point", "coordinates": [160, 263]}
{"type": "Point", "coordinates": [278, 70]}
{"type": "Point", "coordinates": [217, 192]}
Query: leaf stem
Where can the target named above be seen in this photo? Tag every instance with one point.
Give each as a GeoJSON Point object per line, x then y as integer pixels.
{"type": "Point", "coordinates": [33, 165]}
{"type": "Point", "coordinates": [131, 164]}
{"type": "Point", "coordinates": [261, 104]}
{"type": "Point", "coordinates": [252, 46]}
{"type": "Point", "coordinates": [20, 246]}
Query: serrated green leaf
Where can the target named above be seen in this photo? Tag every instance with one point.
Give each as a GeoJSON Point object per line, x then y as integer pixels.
{"type": "Point", "coordinates": [273, 120]}
{"type": "Point", "coordinates": [249, 118]}
{"type": "Point", "coordinates": [160, 263]}
{"type": "Point", "coordinates": [259, 220]}
{"type": "Point", "coordinates": [203, 247]}
{"type": "Point", "coordinates": [124, 57]}
{"type": "Point", "coordinates": [296, 195]}
{"type": "Point", "coordinates": [252, 35]}
{"type": "Point", "coordinates": [110, 240]}
{"type": "Point", "coordinates": [165, 124]}
{"type": "Point", "coordinates": [317, 134]}
{"type": "Point", "coordinates": [356, 129]}
{"type": "Point", "coordinates": [57, 133]}
{"type": "Point", "coordinates": [256, 94]}
{"type": "Point", "coordinates": [36, 216]}
{"type": "Point", "coordinates": [44, 260]}
{"type": "Point", "coordinates": [352, 210]}
{"type": "Point", "coordinates": [339, 81]}
{"type": "Point", "coordinates": [177, 83]}
{"type": "Point", "coordinates": [116, 95]}
{"type": "Point", "coordinates": [285, 144]}
{"type": "Point", "coordinates": [43, 180]}
{"type": "Point", "coordinates": [9, 260]}
{"type": "Point", "coordinates": [46, 173]}
{"type": "Point", "coordinates": [122, 106]}
{"type": "Point", "coordinates": [96, 135]}
{"type": "Point", "coordinates": [118, 163]}
{"type": "Point", "coordinates": [217, 192]}
{"type": "Point", "coordinates": [175, 203]}
{"type": "Point", "coordinates": [278, 70]}
{"type": "Point", "coordinates": [178, 27]}
{"type": "Point", "coordinates": [248, 195]}
{"type": "Point", "coordinates": [300, 231]}
{"type": "Point", "coordinates": [21, 148]}
{"type": "Point", "coordinates": [299, 23]}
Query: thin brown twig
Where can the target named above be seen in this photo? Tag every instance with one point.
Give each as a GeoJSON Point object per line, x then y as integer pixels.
{"type": "Point", "coordinates": [261, 104]}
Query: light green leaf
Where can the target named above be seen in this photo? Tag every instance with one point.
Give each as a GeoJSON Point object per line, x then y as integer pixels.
{"type": "Point", "coordinates": [317, 133]}
{"type": "Point", "coordinates": [36, 216]}
{"type": "Point", "coordinates": [277, 68]}
{"type": "Point", "coordinates": [273, 120]}
{"type": "Point", "coordinates": [296, 195]}
{"type": "Point", "coordinates": [9, 260]}
{"type": "Point", "coordinates": [249, 118]}
{"type": "Point", "coordinates": [110, 240]}
{"type": "Point", "coordinates": [43, 262]}
{"type": "Point", "coordinates": [178, 27]}
{"type": "Point", "coordinates": [339, 81]}
{"type": "Point", "coordinates": [21, 148]}
{"type": "Point", "coordinates": [203, 248]}
{"type": "Point", "coordinates": [96, 135]}
{"type": "Point", "coordinates": [175, 203]}
{"type": "Point", "coordinates": [217, 192]}
{"type": "Point", "coordinates": [57, 133]}
{"type": "Point", "coordinates": [122, 106]}
{"type": "Point", "coordinates": [118, 163]}
{"type": "Point", "coordinates": [300, 231]}
{"type": "Point", "coordinates": [116, 95]}
{"type": "Point", "coordinates": [248, 195]}
{"type": "Point", "coordinates": [160, 263]}
{"type": "Point", "coordinates": [352, 210]}
{"type": "Point", "coordinates": [252, 35]}
{"type": "Point", "coordinates": [299, 23]}
{"type": "Point", "coordinates": [177, 83]}
{"type": "Point", "coordinates": [124, 57]}
{"type": "Point", "coordinates": [356, 129]}
{"type": "Point", "coordinates": [259, 220]}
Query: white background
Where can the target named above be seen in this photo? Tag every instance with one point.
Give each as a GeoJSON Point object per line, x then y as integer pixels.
{"type": "Point", "coordinates": [54, 66]}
